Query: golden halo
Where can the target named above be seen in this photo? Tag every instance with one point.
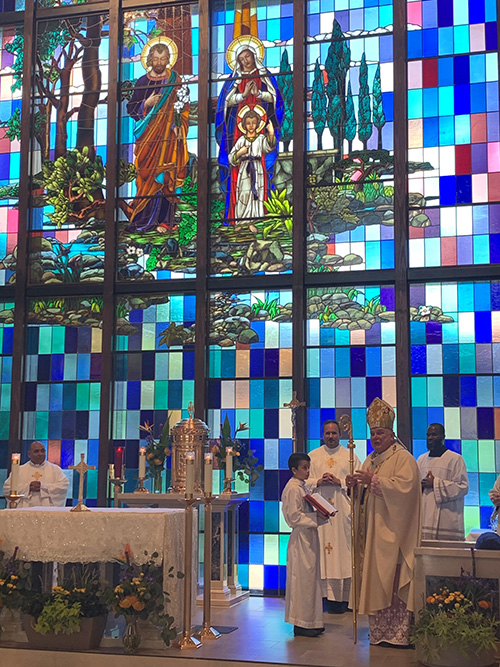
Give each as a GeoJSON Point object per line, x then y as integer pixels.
{"type": "Point", "coordinates": [160, 39]}
{"type": "Point", "coordinates": [259, 110]}
{"type": "Point", "coordinates": [239, 43]}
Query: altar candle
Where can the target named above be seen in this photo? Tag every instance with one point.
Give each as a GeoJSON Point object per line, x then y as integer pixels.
{"type": "Point", "coordinates": [190, 474]}
{"type": "Point", "coordinates": [14, 480]}
{"type": "Point", "coordinates": [208, 474]}
{"type": "Point", "coordinates": [119, 462]}
{"type": "Point", "coordinates": [111, 471]}
{"type": "Point", "coordinates": [229, 463]}
{"type": "Point", "coordinates": [142, 463]}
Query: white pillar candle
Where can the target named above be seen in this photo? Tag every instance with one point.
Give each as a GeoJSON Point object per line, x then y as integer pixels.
{"type": "Point", "coordinates": [229, 463]}
{"type": "Point", "coordinates": [14, 480]}
{"type": "Point", "coordinates": [190, 474]}
{"type": "Point", "coordinates": [207, 480]}
{"type": "Point", "coordinates": [142, 463]}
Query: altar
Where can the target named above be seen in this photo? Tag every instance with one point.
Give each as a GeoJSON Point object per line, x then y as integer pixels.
{"type": "Point", "coordinates": [54, 534]}
{"type": "Point", "coordinates": [226, 590]}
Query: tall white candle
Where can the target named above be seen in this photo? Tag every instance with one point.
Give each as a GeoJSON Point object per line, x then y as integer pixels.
{"type": "Point", "coordinates": [229, 463]}
{"type": "Point", "coordinates": [207, 480]}
{"type": "Point", "coordinates": [14, 480]}
{"type": "Point", "coordinates": [190, 474]}
{"type": "Point", "coordinates": [142, 462]}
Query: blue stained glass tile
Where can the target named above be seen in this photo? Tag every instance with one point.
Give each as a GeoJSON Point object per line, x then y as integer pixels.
{"type": "Point", "coordinates": [30, 397]}
{"type": "Point", "coordinates": [228, 363]}
{"type": "Point", "coordinates": [446, 131]}
{"type": "Point", "coordinates": [93, 453]}
{"type": "Point", "coordinates": [188, 365]}
{"type": "Point", "coordinates": [282, 574]}
{"type": "Point", "coordinates": [447, 190]}
{"type": "Point", "coordinates": [484, 517]}
{"type": "Point", "coordinates": [491, 36]}
{"type": "Point", "coordinates": [68, 424]}
{"type": "Point", "coordinates": [136, 315]}
{"type": "Point", "coordinates": [271, 485]}
{"type": "Point", "coordinates": [313, 392]}
{"type": "Point", "coordinates": [420, 421]}
{"type": "Point", "coordinates": [256, 525]}
{"type": "Point", "coordinates": [464, 189]}
{"type": "Point", "coordinates": [67, 453]}
{"type": "Point", "coordinates": [271, 362]}
{"type": "Point", "coordinates": [271, 423]}
{"type": "Point", "coordinates": [148, 365]}
{"type": "Point", "coordinates": [450, 358]}
{"type": "Point", "coordinates": [285, 451]}
{"type": "Point", "coordinates": [81, 425]}
{"type": "Point", "coordinates": [462, 70]}
{"type": "Point", "coordinates": [430, 43]}
{"type": "Point", "coordinates": [478, 98]}
{"type": "Point", "coordinates": [32, 337]}
{"type": "Point", "coordinates": [482, 325]}
{"type": "Point", "coordinates": [56, 397]}
{"type": "Point", "coordinates": [260, 330]}
{"type": "Point", "coordinates": [418, 360]}
{"type": "Point", "coordinates": [257, 447]}
{"type": "Point", "coordinates": [342, 362]}
{"type": "Point", "coordinates": [473, 495]}
{"type": "Point", "coordinates": [43, 374]}
{"type": "Point", "coordinates": [256, 363]}
{"type": "Point", "coordinates": [244, 519]}
{"type": "Point", "coordinates": [8, 339]}
{"type": "Point", "coordinates": [358, 362]}
{"type": "Point", "coordinates": [419, 448]}
{"type": "Point", "coordinates": [286, 28]}
{"type": "Point", "coordinates": [175, 395]}
{"type": "Point", "coordinates": [373, 361]}
{"type": "Point", "coordinates": [445, 72]}
{"type": "Point", "coordinates": [71, 340]}
{"type": "Point", "coordinates": [495, 295]}
{"type": "Point", "coordinates": [468, 394]}
{"type": "Point", "coordinates": [133, 395]}
{"type": "Point", "coordinates": [451, 391]}
{"type": "Point", "coordinates": [476, 11]}
{"type": "Point", "coordinates": [414, 44]}
{"type": "Point", "coordinates": [387, 253]}
{"type": "Point", "coordinates": [373, 388]}
{"type": "Point", "coordinates": [271, 578]}
{"type": "Point", "coordinates": [462, 100]}
{"type": "Point", "coordinates": [257, 394]}
{"type": "Point", "coordinates": [434, 333]}
{"type": "Point", "coordinates": [55, 426]}
{"type": "Point", "coordinates": [485, 423]}
{"type": "Point", "coordinates": [285, 476]}
{"type": "Point", "coordinates": [431, 132]}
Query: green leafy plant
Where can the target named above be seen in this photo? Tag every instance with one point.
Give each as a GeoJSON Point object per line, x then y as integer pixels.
{"type": "Point", "coordinates": [278, 207]}
{"type": "Point", "coordinates": [328, 315]}
{"type": "Point", "coordinates": [59, 616]}
{"type": "Point", "coordinates": [457, 614]}
{"type": "Point", "coordinates": [271, 307]}
{"type": "Point", "coordinates": [140, 593]}
{"type": "Point", "coordinates": [374, 306]}
{"type": "Point", "coordinates": [245, 465]}
{"type": "Point", "coordinates": [15, 579]}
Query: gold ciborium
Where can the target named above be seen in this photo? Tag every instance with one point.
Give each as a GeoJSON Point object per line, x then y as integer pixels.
{"type": "Point", "coordinates": [188, 435]}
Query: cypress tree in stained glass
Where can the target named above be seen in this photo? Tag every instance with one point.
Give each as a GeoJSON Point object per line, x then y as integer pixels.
{"type": "Point", "coordinates": [318, 104]}
{"type": "Point", "coordinates": [364, 109]}
{"type": "Point", "coordinates": [378, 107]}
{"type": "Point", "coordinates": [350, 123]}
{"type": "Point", "coordinates": [286, 89]}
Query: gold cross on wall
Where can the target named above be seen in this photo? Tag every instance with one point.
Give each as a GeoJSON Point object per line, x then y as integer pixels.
{"type": "Point", "coordinates": [329, 548]}
{"type": "Point", "coordinates": [37, 476]}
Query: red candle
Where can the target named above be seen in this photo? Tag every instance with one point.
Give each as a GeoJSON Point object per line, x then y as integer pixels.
{"type": "Point", "coordinates": [119, 452]}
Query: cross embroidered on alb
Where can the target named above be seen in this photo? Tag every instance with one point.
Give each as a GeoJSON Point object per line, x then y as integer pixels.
{"type": "Point", "coordinates": [329, 548]}
{"type": "Point", "coordinates": [37, 475]}
{"type": "Point", "coordinates": [331, 462]}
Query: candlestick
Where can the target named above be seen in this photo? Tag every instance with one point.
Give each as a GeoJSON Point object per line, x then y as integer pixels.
{"type": "Point", "coordinates": [142, 462]}
{"type": "Point", "coordinates": [189, 474]}
{"type": "Point", "coordinates": [207, 631]}
{"type": "Point", "coordinates": [229, 470]}
{"type": "Point", "coordinates": [111, 471]}
{"type": "Point", "coordinates": [187, 640]}
{"type": "Point", "coordinates": [13, 499]}
{"type": "Point", "coordinates": [119, 456]}
{"type": "Point", "coordinates": [14, 474]}
{"type": "Point", "coordinates": [207, 479]}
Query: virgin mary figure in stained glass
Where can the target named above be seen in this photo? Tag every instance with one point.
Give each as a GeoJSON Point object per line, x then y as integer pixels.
{"type": "Point", "coordinates": [250, 85]}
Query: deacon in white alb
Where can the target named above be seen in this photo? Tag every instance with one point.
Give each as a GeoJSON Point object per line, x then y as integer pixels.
{"type": "Point", "coordinates": [444, 486]}
{"type": "Point", "coordinates": [329, 468]}
{"type": "Point", "coordinates": [42, 483]}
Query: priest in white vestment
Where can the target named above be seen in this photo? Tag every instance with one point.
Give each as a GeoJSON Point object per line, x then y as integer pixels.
{"type": "Point", "coordinates": [387, 496]}
{"type": "Point", "coordinates": [444, 486]}
{"type": "Point", "coordinates": [495, 499]}
{"type": "Point", "coordinates": [303, 601]}
{"type": "Point", "coordinates": [329, 468]}
{"type": "Point", "coordinates": [40, 482]}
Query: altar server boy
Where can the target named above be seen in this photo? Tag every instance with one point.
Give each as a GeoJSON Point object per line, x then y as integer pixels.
{"type": "Point", "coordinates": [303, 599]}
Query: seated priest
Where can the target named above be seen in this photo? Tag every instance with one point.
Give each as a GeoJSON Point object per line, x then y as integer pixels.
{"type": "Point", "coordinates": [40, 482]}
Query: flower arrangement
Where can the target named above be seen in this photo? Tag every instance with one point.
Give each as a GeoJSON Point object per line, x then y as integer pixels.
{"type": "Point", "coordinates": [459, 613]}
{"type": "Point", "coordinates": [15, 578]}
{"type": "Point", "coordinates": [157, 450]}
{"type": "Point", "coordinates": [140, 595]}
{"type": "Point", "coordinates": [60, 612]}
{"type": "Point", "coordinates": [245, 465]}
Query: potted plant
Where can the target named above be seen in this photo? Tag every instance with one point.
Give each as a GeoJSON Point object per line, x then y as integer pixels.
{"type": "Point", "coordinates": [156, 452]}
{"type": "Point", "coordinates": [72, 617]}
{"type": "Point", "coordinates": [15, 579]}
{"type": "Point", "coordinates": [457, 627]}
{"type": "Point", "coordinates": [139, 596]}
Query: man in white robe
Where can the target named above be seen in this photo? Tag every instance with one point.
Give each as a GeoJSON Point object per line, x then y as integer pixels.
{"type": "Point", "coordinates": [42, 483]}
{"type": "Point", "coordinates": [387, 497]}
{"type": "Point", "coordinates": [444, 487]}
{"type": "Point", "coordinates": [303, 602]}
{"type": "Point", "coordinates": [329, 468]}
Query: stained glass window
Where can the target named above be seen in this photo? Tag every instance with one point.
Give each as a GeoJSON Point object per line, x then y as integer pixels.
{"type": "Point", "coordinates": [250, 368]}
{"type": "Point", "coordinates": [154, 362]}
{"type": "Point", "coordinates": [6, 337]}
{"type": "Point", "coordinates": [453, 128]}
{"type": "Point", "coordinates": [455, 339]}
{"type": "Point", "coordinates": [350, 357]}
{"type": "Point", "coordinates": [251, 163]}
{"type": "Point", "coordinates": [62, 384]}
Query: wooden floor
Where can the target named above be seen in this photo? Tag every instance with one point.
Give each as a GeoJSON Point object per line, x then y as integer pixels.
{"type": "Point", "coordinates": [262, 637]}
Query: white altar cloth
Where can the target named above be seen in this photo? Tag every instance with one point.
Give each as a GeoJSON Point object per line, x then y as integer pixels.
{"type": "Point", "coordinates": [55, 534]}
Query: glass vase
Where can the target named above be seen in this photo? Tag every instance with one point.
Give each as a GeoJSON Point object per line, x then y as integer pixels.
{"type": "Point", "coordinates": [131, 637]}
{"type": "Point", "coordinates": [157, 481]}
